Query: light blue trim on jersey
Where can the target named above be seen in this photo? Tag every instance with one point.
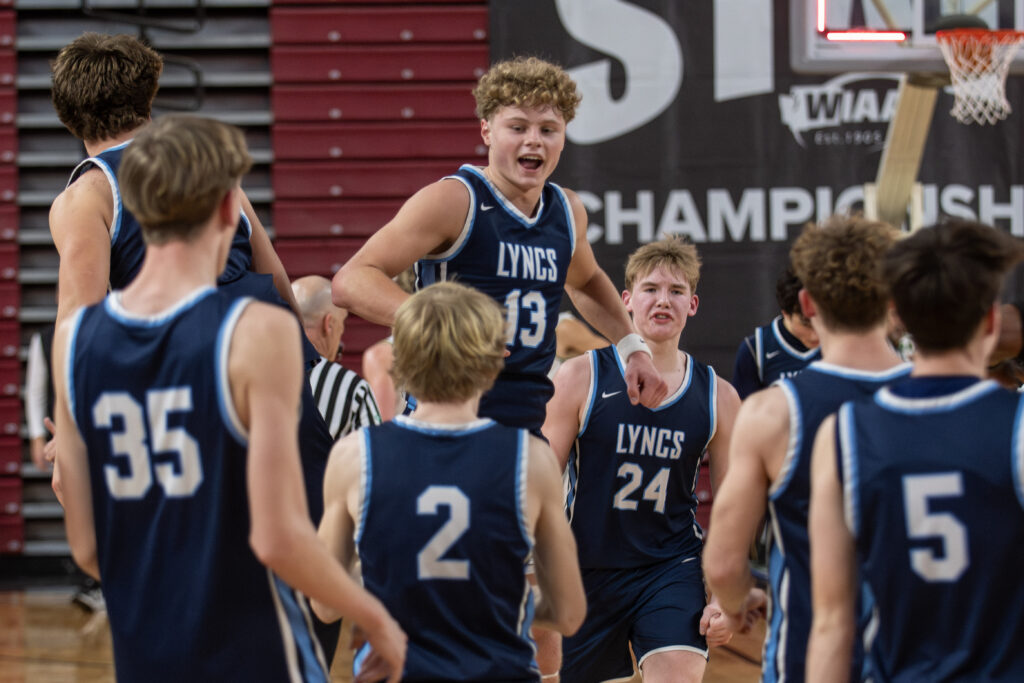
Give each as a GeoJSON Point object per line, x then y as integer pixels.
{"type": "Point", "coordinates": [1017, 452]}
{"type": "Point", "coordinates": [522, 474]}
{"type": "Point", "coordinates": [365, 480]}
{"type": "Point", "coordinates": [113, 306]}
{"type": "Point", "coordinates": [847, 452]}
{"type": "Point", "coordinates": [712, 406]}
{"type": "Point", "coordinates": [886, 398]}
{"type": "Point", "coordinates": [851, 373]}
{"type": "Point", "coordinates": [435, 429]}
{"type": "Point", "coordinates": [793, 448]}
{"type": "Point", "coordinates": [225, 402]}
{"type": "Point", "coordinates": [678, 394]}
{"type": "Point", "coordinates": [69, 364]}
{"type": "Point", "coordinates": [591, 393]}
{"type": "Point", "coordinates": [570, 218]}
{"type": "Point", "coordinates": [506, 204]}
{"type": "Point", "coordinates": [773, 662]}
{"type": "Point", "coordinates": [759, 353]}
{"type": "Point", "coordinates": [245, 221]}
{"type": "Point", "coordinates": [115, 188]}
{"type": "Point", "coordinates": [297, 635]}
{"type": "Point", "coordinates": [786, 346]}
{"type": "Point", "coordinates": [461, 241]}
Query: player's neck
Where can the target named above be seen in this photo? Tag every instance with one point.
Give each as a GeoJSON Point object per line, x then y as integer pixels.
{"type": "Point", "coordinates": [456, 413]}
{"type": "Point", "coordinates": [868, 350]}
{"type": "Point", "coordinates": [968, 360]}
{"type": "Point", "coordinates": [96, 146]}
{"type": "Point", "coordinates": [170, 272]}
{"type": "Point", "coordinates": [524, 200]}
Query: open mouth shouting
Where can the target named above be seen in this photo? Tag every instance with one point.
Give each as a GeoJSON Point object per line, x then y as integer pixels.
{"type": "Point", "coordinates": [530, 162]}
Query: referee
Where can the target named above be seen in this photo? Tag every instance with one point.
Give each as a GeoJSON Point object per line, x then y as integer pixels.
{"type": "Point", "coordinates": [343, 397]}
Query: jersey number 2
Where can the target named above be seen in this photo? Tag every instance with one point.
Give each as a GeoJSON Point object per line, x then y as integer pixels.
{"type": "Point", "coordinates": [921, 524]}
{"type": "Point", "coordinates": [134, 480]}
{"type": "Point", "coordinates": [428, 561]}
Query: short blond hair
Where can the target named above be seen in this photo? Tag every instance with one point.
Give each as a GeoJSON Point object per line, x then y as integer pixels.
{"type": "Point", "coordinates": [449, 343]}
{"type": "Point", "coordinates": [673, 253]}
{"type": "Point", "coordinates": [840, 265]}
{"type": "Point", "coordinates": [177, 170]}
{"type": "Point", "coordinates": [526, 82]}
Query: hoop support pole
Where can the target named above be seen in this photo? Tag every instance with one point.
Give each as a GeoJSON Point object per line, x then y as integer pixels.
{"type": "Point", "coordinates": [904, 146]}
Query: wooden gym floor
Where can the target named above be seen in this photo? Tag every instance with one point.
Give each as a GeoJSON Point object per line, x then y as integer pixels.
{"type": "Point", "coordinates": [44, 638]}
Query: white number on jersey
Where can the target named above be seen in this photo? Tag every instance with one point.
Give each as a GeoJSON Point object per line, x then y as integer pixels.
{"type": "Point", "coordinates": [532, 301]}
{"type": "Point", "coordinates": [921, 524]}
{"type": "Point", "coordinates": [429, 562]}
{"type": "Point", "coordinates": [656, 489]}
{"type": "Point", "coordinates": [130, 443]}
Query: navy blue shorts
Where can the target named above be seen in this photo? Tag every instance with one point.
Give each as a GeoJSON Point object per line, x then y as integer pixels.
{"type": "Point", "coordinates": [654, 608]}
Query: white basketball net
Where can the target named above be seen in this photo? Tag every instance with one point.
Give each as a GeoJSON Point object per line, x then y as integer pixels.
{"type": "Point", "coordinates": [978, 63]}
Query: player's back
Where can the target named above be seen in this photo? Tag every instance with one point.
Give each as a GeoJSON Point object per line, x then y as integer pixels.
{"type": "Point", "coordinates": [633, 503]}
{"type": "Point", "coordinates": [933, 476]}
{"type": "Point", "coordinates": [521, 262]}
{"type": "Point", "coordinates": [811, 395]}
{"type": "Point", "coordinates": [127, 248]}
{"type": "Point", "coordinates": [443, 541]}
{"type": "Point", "coordinates": [186, 596]}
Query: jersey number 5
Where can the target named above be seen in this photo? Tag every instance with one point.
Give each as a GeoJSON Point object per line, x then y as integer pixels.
{"type": "Point", "coordinates": [134, 479]}
{"type": "Point", "coordinates": [428, 561]}
{"type": "Point", "coordinates": [921, 524]}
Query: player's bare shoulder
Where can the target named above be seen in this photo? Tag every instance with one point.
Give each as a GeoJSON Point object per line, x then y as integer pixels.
{"type": "Point", "coordinates": [89, 197]}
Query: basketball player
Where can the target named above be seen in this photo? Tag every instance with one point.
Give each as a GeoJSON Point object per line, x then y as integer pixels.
{"type": "Point", "coordinates": [632, 474]}
{"type": "Point", "coordinates": [103, 90]}
{"type": "Point", "coordinates": [782, 348]}
{"type": "Point", "coordinates": [846, 299]}
{"type": "Point", "coordinates": [920, 490]}
{"type": "Point", "coordinates": [178, 456]}
{"type": "Point", "coordinates": [443, 507]}
{"type": "Point", "coordinates": [509, 232]}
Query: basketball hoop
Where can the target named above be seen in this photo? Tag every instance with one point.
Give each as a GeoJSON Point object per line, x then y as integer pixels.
{"type": "Point", "coordinates": [978, 61]}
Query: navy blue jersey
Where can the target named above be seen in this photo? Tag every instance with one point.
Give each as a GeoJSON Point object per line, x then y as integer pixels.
{"type": "Point", "coordinates": [812, 396]}
{"type": "Point", "coordinates": [127, 248]}
{"type": "Point", "coordinates": [771, 353]}
{"type": "Point", "coordinates": [186, 596]}
{"type": "Point", "coordinates": [633, 471]}
{"type": "Point", "coordinates": [520, 262]}
{"type": "Point", "coordinates": [443, 542]}
{"type": "Point", "coordinates": [933, 480]}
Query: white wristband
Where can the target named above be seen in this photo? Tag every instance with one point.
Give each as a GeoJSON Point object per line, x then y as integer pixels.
{"type": "Point", "coordinates": [630, 344]}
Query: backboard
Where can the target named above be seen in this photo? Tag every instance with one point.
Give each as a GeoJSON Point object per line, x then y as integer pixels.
{"type": "Point", "coordinates": [836, 36]}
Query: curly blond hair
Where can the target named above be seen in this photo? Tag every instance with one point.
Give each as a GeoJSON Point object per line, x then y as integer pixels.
{"type": "Point", "coordinates": [449, 343]}
{"type": "Point", "coordinates": [526, 82]}
{"type": "Point", "coordinates": [840, 265]}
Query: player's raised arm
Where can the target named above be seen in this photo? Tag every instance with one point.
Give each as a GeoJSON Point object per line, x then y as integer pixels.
{"type": "Point", "coordinates": [833, 566]}
{"type": "Point", "coordinates": [71, 468]}
{"type": "Point", "coordinates": [597, 300]}
{"type": "Point", "coordinates": [564, 410]}
{"type": "Point", "coordinates": [427, 223]}
{"type": "Point", "coordinates": [266, 376]}
{"type": "Point", "coordinates": [563, 604]}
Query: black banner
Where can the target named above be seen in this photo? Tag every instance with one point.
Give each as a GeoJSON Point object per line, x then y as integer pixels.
{"type": "Point", "coordinates": [703, 129]}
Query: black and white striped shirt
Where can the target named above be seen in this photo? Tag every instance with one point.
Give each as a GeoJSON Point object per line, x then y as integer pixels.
{"type": "Point", "coordinates": [343, 398]}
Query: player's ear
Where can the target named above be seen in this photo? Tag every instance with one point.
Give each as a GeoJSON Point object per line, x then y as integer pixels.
{"type": "Point", "coordinates": [807, 304]}
{"type": "Point", "coordinates": [230, 207]}
{"type": "Point", "coordinates": [626, 298]}
{"type": "Point", "coordinates": [485, 131]}
{"type": "Point", "coordinates": [694, 302]}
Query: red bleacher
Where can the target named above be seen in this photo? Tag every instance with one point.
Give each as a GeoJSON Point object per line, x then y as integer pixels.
{"type": "Point", "coordinates": [12, 525]}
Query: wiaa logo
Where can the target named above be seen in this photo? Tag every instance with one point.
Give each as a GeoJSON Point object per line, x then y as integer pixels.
{"type": "Point", "coordinates": [854, 104]}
